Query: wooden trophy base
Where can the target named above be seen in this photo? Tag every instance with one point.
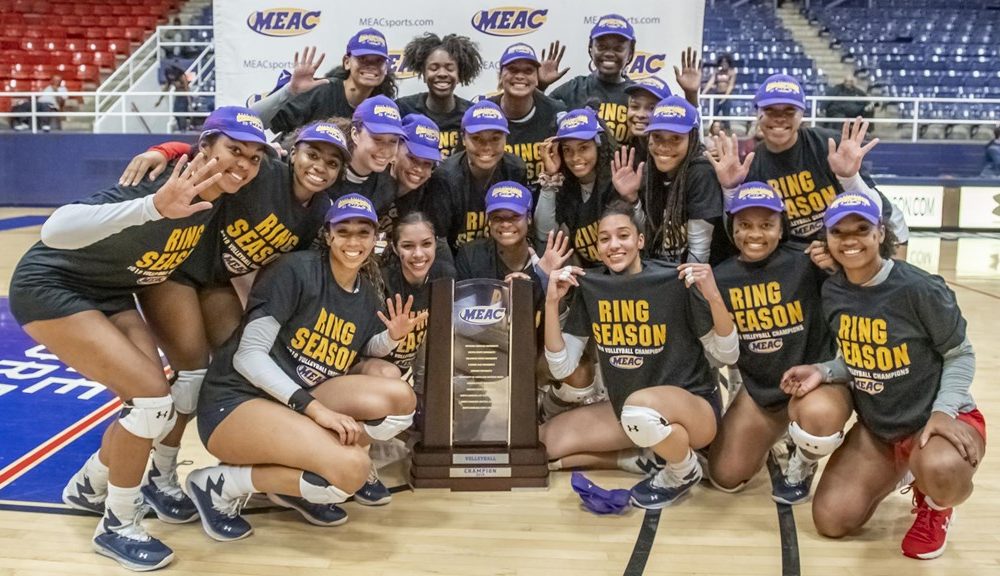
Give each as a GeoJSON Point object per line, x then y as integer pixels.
{"type": "Point", "coordinates": [486, 469]}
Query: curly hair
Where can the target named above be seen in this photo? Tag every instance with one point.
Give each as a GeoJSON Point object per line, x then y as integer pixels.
{"type": "Point", "coordinates": [462, 49]}
{"type": "Point", "coordinates": [570, 198]}
{"type": "Point", "coordinates": [666, 203]}
{"type": "Point", "coordinates": [386, 88]}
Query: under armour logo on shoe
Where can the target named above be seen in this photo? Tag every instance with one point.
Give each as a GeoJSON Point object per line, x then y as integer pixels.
{"type": "Point", "coordinates": [631, 428]}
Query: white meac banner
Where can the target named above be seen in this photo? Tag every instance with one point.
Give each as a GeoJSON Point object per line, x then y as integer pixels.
{"type": "Point", "coordinates": [256, 39]}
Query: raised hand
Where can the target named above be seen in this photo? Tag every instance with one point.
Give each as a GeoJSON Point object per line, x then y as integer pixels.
{"type": "Point", "coordinates": [188, 180]}
{"type": "Point", "coordinates": [725, 158]}
{"type": "Point", "coordinates": [624, 177]}
{"type": "Point", "coordinates": [801, 380]}
{"type": "Point", "coordinates": [549, 72]}
{"type": "Point", "coordinates": [700, 275]}
{"type": "Point", "coordinates": [560, 282]}
{"type": "Point", "coordinates": [399, 321]}
{"type": "Point", "coordinates": [549, 151]}
{"type": "Point", "coordinates": [845, 159]}
{"type": "Point", "coordinates": [149, 161]}
{"type": "Point", "coordinates": [557, 252]}
{"type": "Point", "coordinates": [688, 76]}
{"type": "Point", "coordinates": [820, 256]}
{"type": "Point", "coordinates": [304, 71]}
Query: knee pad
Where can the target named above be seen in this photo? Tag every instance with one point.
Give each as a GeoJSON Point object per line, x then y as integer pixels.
{"type": "Point", "coordinates": [185, 390]}
{"type": "Point", "coordinates": [389, 427]}
{"type": "Point", "coordinates": [151, 418]}
{"type": "Point", "coordinates": [318, 491]}
{"type": "Point", "coordinates": [644, 426]}
{"type": "Point", "coordinates": [817, 445]}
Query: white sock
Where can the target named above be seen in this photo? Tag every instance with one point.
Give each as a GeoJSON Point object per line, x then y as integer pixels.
{"type": "Point", "coordinates": [555, 465]}
{"type": "Point", "coordinates": [933, 505]}
{"type": "Point", "coordinates": [123, 502]}
{"type": "Point", "coordinates": [684, 467]}
{"type": "Point", "coordinates": [239, 481]}
{"type": "Point", "coordinates": [572, 395]}
{"type": "Point", "coordinates": [165, 460]}
{"type": "Point", "coordinates": [97, 471]}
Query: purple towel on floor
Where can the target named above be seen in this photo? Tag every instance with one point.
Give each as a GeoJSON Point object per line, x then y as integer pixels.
{"type": "Point", "coordinates": [597, 499]}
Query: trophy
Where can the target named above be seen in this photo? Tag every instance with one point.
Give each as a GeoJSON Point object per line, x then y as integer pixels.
{"type": "Point", "coordinates": [480, 411]}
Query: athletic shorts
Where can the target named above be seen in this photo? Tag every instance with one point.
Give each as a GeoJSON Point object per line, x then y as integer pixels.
{"type": "Point", "coordinates": [43, 297]}
{"type": "Point", "coordinates": [216, 403]}
{"type": "Point", "coordinates": [904, 447]}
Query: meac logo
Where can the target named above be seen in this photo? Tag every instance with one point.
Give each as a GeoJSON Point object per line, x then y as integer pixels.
{"type": "Point", "coordinates": [355, 203]}
{"type": "Point", "coordinates": [386, 111]}
{"type": "Point", "coordinates": [487, 113]}
{"type": "Point", "coordinates": [670, 111]}
{"type": "Point", "coordinates": [250, 120]}
{"type": "Point", "coordinates": [756, 193]}
{"type": "Point", "coordinates": [399, 68]}
{"type": "Point", "coordinates": [574, 121]}
{"type": "Point", "coordinates": [482, 315]}
{"type": "Point", "coordinates": [766, 346]}
{"type": "Point", "coordinates": [283, 21]}
{"type": "Point", "coordinates": [645, 64]}
{"type": "Point", "coordinates": [626, 362]}
{"type": "Point", "coordinates": [506, 192]}
{"type": "Point", "coordinates": [783, 86]}
{"type": "Point", "coordinates": [509, 20]}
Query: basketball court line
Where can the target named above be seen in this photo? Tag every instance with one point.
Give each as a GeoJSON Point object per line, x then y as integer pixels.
{"type": "Point", "coordinates": [643, 543]}
{"type": "Point", "coordinates": [971, 289]}
{"type": "Point", "coordinates": [786, 526]}
{"type": "Point", "coordinates": [21, 222]}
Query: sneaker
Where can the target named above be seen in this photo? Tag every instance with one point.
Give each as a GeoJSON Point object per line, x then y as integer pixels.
{"type": "Point", "coordinates": [128, 543]}
{"type": "Point", "coordinates": [374, 492]}
{"type": "Point", "coordinates": [316, 514]}
{"type": "Point", "coordinates": [664, 488]}
{"type": "Point", "coordinates": [167, 499]}
{"type": "Point", "coordinates": [80, 494]}
{"type": "Point", "coordinates": [928, 536]}
{"type": "Point", "coordinates": [795, 486]}
{"type": "Point", "coordinates": [220, 516]}
{"type": "Point", "coordinates": [643, 462]}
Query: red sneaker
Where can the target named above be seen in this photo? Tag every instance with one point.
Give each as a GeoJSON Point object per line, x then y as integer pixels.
{"type": "Point", "coordinates": [928, 536]}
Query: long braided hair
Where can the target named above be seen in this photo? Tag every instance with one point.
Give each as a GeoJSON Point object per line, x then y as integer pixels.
{"type": "Point", "coordinates": [666, 203]}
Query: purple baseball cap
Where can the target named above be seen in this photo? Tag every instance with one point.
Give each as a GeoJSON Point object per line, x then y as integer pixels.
{"type": "Point", "coordinates": [780, 89]}
{"type": "Point", "coordinates": [852, 203]}
{"type": "Point", "coordinates": [238, 123]}
{"type": "Point", "coordinates": [422, 137]}
{"type": "Point", "coordinates": [651, 84]}
{"type": "Point", "coordinates": [484, 115]}
{"type": "Point", "coordinates": [756, 195]}
{"type": "Point", "coordinates": [508, 195]}
{"type": "Point", "coordinates": [519, 51]}
{"type": "Point", "coordinates": [612, 24]}
{"type": "Point", "coordinates": [579, 124]}
{"type": "Point", "coordinates": [673, 114]}
{"type": "Point", "coordinates": [368, 41]}
{"type": "Point", "coordinates": [325, 132]}
{"type": "Point", "coordinates": [379, 115]}
{"type": "Point", "coordinates": [351, 206]}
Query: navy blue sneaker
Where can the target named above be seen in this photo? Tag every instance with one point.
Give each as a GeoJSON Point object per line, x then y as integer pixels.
{"type": "Point", "coordinates": [80, 494]}
{"type": "Point", "coordinates": [129, 544]}
{"type": "Point", "coordinates": [316, 514]}
{"type": "Point", "coordinates": [795, 487]}
{"type": "Point", "coordinates": [165, 497]}
{"type": "Point", "coordinates": [374, 492]}
{"type": "Point", "coordinates": [664, 488]}
{"type": "Point", "coordinates": [220, 516]}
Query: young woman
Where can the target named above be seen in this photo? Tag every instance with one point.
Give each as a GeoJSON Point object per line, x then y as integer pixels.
{"type": "Point", "coordinates": [277, 408]}
{"type": "Point", "coordinates": [909, 366]}
{"type": "Point", "coordinates": [457, 189]}
{"type": "Point", "coordinates": [364, 73]}
{"type": "Point", "coordinates": [576, 182]}
{"type": "Point", "coordinates": [722, 82]}
{"type": "Point", "coordinates": [653, 337]}
{"type": "Point", "coordinates": [772, 290]}
{"type": "Point", "coordinates": [645, 93]}
{"type": "Point", "coordinates": [443, 63]}
{"type": "Point", "coordinates": [73, 293]}
{"type": "Point", "coordinates": [376, 131]}
{"type": "Point", "coordinates": [415, 162]}
{"type": "Point", "coordinates": [677, 186]}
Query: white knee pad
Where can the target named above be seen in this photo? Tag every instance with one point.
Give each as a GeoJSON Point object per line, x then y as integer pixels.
{"type": "Point", "coordinates": [644, 426]}
{"type": "Point", "coordinates": [185, 390]}
{"type": "Point", "coordinates": [151, 418]}
{"type": "Point", "coordinates": [389, 427]}
{"type": "Point", "coordinates": [317, 490]}
{"type": "Point", "coordinates": [817, 445]}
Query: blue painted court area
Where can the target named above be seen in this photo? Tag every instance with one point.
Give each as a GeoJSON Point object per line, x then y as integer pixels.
{"type": "Point", "coordinates": [51, 420]}
{"type": "Point", "coordinates": [21, 222]}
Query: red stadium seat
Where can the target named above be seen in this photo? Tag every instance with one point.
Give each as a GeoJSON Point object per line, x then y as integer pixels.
{"type": "Point", "coordinates": [76, 32]}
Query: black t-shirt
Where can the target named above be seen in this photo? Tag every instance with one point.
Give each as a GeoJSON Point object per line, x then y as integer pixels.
{"type": "Point", "coordinates": [479, 259]}
{"type": "Point", "coordinates": [125, 262]}
{"type": "Point", "coordinates": [456, 205]}
{"type": "Point", "coordinates": [254, 227]}
{"type": "Point", "coordinates": [893, 337]}
{"type": "Point", "coordinates": [379, 187]}
{"type": "Point", "coordinates": [646, 327]}
{"type": "Point", "coordinates": [399, 206]}
{"type": "Point", "coordinates": [776, 306]}
{"type": "Point", "coordinates": [449, 124]}
{"type": "Point", "coordinates": [319, 103]}
{"type": "Point", "coordinates": [582, 218]}
{"type": "Point", "coordinates": [803, 177]}
{"type": "Point", "coordinates": [324, 328]}
{"type": "Point", "coordinates": [395, 283]}
{"type": "Point", "coordinates": [703, 201]}
{"type": "Point", "coordinates": [528, 134]}
{"type": "Point", "coordinates": [612, 97]}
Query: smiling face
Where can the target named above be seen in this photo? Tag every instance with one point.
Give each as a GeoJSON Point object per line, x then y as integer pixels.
{"type": "Point", "coordinates": [779, 125]}
{"type": "Point", "coordinates": [366, 71]}
{"type": "Point", "coordinates": [238, 162]}
{"type": "Point", "coordinates": [640, 110]}
{"type": "Point", "coordinates": [415, 247]}
{"type": "Point", "coordinates": [350, 242]}
{"type": "Point", "coordinates": [580, 156]}
{"type": "Point", "coordinates": [410, 171]}
{"type": "Point", "coordinates": [372, 152]}
{"type": "Point", "coordinates": [668, 149]}
{"type": "Point", "coordinates": [441, 74]}
{"type": "Point", "coordinates": [316, 165]}
{"type": "Point", "coordinates": [484, 149]}
{"type": "Point", "coordinates": [854, 243]}
{"type": "Point", "coordinates": [519, 78]}
{"type": "Point", "coordinates": [508, 228]}
{"type": "Point", "coordinates": [756, 233]}
{"type": "Point", "coordinates": [610, 54]}
{"type": "Point", "coordinates": [619, 243]}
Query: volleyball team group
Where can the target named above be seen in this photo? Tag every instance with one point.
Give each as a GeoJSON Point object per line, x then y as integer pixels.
{"type": "Point", "coordinates": [287, 286]}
